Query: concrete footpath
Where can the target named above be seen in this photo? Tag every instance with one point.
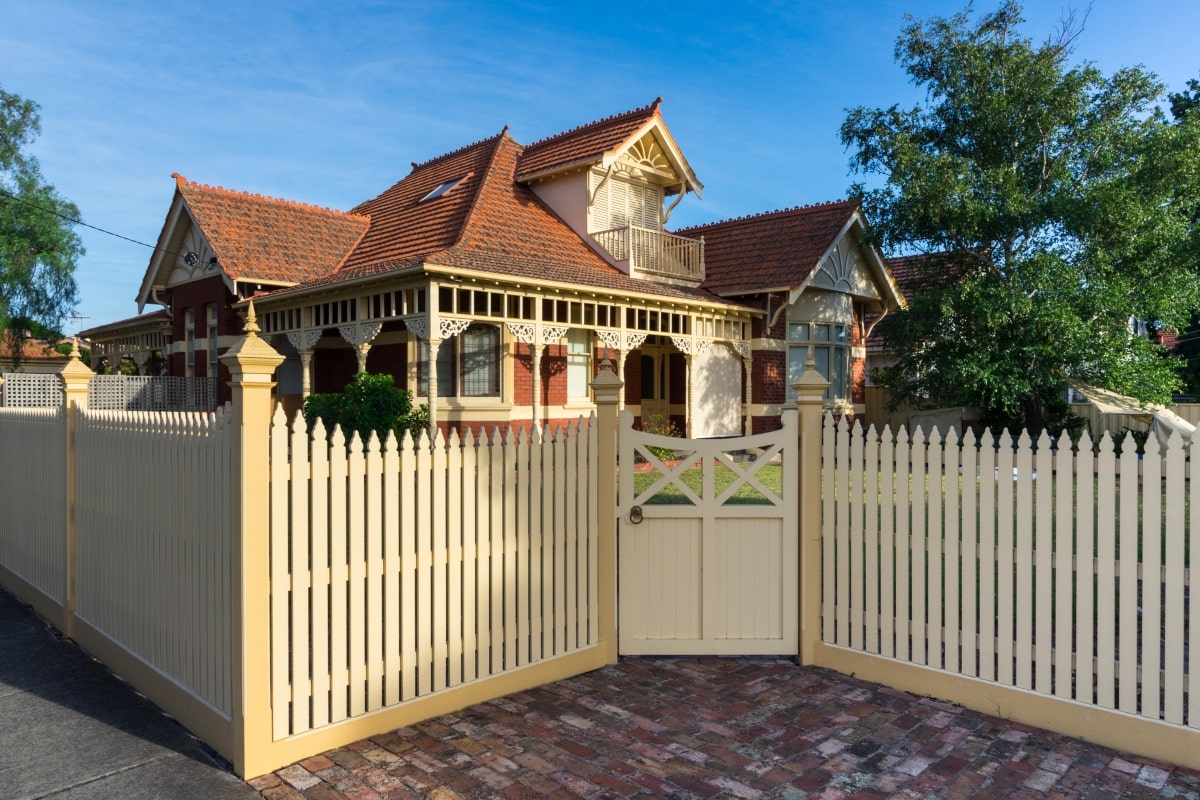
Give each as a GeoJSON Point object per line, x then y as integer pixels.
{"type": "Point", "coordinates": [69, 729]}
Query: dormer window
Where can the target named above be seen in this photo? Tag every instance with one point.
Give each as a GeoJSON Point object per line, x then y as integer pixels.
{"type": "Point", "coordinates": [444, 188]}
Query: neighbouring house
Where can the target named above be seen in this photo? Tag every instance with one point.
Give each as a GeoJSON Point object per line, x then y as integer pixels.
{"type": "Point", "coordinates": [514, 270]}
{"type": "Point", "coordinates": [33, 355]}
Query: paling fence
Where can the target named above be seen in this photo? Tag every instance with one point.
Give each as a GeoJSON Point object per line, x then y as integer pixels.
{"type": "Point", "coordinates": [1057, 570]}
{"type": "Point", "coordinates": [407, 568]}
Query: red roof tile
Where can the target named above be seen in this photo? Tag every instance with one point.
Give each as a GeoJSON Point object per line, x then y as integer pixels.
{"type": "Point", "coordinates": [265, 238]}
{"type": "Point", "coordinates": [583, 145]}
{"type": "Point", "coordinates": [30, 349]}
{"type": "Point", "coordinates": [486, 223]}
{"type": "Point", "coordinates": [773, 250]}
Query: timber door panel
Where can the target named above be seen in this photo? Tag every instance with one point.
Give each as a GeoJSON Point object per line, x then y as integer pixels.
{"type": "Point", "coordinates": [712, 567]}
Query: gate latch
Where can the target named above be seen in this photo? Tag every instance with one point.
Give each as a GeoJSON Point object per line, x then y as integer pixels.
{"type": "Point", "coordinates": [635, 515]}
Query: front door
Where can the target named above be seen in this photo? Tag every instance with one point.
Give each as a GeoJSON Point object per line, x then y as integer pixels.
{"type": "Point", "coordinates": [708, 547]}
{"type": "Point", "coordinates": [655, 382]}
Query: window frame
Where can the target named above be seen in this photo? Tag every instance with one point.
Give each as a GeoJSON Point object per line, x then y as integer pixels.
{"type": "Point", "coordinates": [451, 362]}
{"type": "Point", "coordinates": [832, 353]}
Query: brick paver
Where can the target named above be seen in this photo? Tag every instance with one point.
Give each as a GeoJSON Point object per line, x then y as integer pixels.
{"type": "Point", "coordinates": [722, 728]}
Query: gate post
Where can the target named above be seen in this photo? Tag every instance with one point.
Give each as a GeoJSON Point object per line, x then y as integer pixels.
{"type": "Point", "coordinates": [251, 363]}
{"type": "Point", "coordinates": [607, 390]}
{"type": "Point", "coordinates": [75, 377]}
{"type": "Point", "coordinates": [810, 400]}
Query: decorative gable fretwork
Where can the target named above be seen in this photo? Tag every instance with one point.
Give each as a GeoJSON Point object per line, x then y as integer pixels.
{"type": "Point", "coordinates": [844, 270]}
{"type": "Point", "coordinates": [646, 156]}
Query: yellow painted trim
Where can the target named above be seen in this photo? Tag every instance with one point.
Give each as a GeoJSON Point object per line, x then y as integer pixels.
{"type": "Point", "coordinates": [273, 755]}
{"type": "Point", "coordinates": [1160, 741]}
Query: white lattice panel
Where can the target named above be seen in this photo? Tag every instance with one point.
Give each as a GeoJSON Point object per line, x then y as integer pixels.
{"type": "Point", "coordinates": [31, 390]}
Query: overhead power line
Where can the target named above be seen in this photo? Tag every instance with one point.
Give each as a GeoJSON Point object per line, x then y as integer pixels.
{"type": "Point", "coordinates": [75, 221]}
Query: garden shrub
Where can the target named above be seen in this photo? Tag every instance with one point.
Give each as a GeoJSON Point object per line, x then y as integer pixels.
{"type": "Point", "coordinates": [369, 403]}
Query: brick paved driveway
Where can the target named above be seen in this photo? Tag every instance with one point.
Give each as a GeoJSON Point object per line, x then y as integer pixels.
{"type": "Point", "coordinates": [722, 728]}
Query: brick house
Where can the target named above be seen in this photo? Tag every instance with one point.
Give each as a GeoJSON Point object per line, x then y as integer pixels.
{"type": "Point", "coordinates": [514, 270]}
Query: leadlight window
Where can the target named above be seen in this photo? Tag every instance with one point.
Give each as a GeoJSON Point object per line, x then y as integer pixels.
{"type": "Point", "coordinates": [468, 365]}
{"type": "Point", "coordinates": [830, 344]}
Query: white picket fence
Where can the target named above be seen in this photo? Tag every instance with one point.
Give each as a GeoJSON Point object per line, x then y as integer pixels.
{"type": "Point", "coordinates": [407, 568]}
{"type": "Point", "coordinates": [1062, 571]}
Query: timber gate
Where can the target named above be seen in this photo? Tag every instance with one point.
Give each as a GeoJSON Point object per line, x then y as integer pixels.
{"type": "Point", "coordinates": [708, 543]}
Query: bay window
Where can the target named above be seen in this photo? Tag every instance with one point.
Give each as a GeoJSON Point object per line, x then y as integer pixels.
{"type": "Point", "coordinates": [830, 343]}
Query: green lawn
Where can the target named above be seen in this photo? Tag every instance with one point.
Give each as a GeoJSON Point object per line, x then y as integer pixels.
{"type": "Point", "coordinates": [770, 476]}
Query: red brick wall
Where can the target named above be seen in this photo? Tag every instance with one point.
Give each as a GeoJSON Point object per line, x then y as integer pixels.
{"type": "Point", "coordinates": [198, 296]}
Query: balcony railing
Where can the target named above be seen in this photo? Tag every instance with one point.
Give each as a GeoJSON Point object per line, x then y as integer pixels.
{"type": "Point", "coordinates": [655, 252]}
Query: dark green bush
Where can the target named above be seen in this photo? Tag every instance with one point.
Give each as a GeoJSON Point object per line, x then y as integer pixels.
{"type": "Point", "coordinates": [369, 403]}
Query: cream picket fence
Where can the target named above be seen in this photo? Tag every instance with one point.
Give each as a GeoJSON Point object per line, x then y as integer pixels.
{"type": "Point", "coordinates": [409, 568]}
{"type": "Point", "coordinates": [31, 488]}
{"type": "Point", "coordinates": [1053, 571]}
{"type": "Point", "coordinates": [153, 544]}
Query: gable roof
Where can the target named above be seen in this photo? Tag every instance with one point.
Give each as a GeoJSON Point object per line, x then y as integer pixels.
{"type": "Point", "coordinates": [487, 223]}
{"type": "Point", "coordinates": [255, 237]}
{"type": "Point", "coordinates": [601, 141]}
{"type": "Point", "coordinates": [769, 251]}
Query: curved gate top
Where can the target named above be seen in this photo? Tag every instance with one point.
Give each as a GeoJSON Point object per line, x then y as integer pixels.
{"type": "Point", "coordinates": [708, 543]}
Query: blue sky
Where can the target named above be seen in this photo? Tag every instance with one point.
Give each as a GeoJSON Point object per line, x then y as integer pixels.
{"type": "Point", "coordinates": [329, 102]}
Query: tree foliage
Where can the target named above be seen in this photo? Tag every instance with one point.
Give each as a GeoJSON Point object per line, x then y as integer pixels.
{"type": "Point", "coordinates": [368, 404]}
{"type": "Point", "coordinates": [38, 247]}
{"type": "Point", "coordinates": [1052, 202]}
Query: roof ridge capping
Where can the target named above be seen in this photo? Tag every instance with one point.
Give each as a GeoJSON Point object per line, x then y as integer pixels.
{"type": "Point", "coordinates": [181, 181]}
{"type": "Point", "coordinates": [776, 212]}
{"type": "Point", "coordinates": [653, 107]}
{"type": "Point", "coordinates": [416, 165]}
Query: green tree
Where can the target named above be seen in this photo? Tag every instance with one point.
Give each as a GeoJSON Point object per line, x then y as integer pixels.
{"type": "Point", "coordinates": [38, 247]}
{"type": "Point", "coordinates": [1183, 104]}
{"type": "Point", "coordinates": [1053, 201]}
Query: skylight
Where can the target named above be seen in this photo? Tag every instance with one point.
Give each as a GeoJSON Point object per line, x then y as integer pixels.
{"type": "Point", "coordinates": [445, 187]}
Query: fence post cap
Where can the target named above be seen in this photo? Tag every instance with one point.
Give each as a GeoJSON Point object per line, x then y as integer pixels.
{"type": "Point", "coordinates": [251, 355]}
{"type": "Point", "coordinates": [606, 384]}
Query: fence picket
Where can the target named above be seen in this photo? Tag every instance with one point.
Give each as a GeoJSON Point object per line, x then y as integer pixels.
{"type": "Point", "coordinates": [951, 593]}
{"type": "Point", "coordinates": [920, 546]}
{"type": "Point", "coordinates": [887, 543]}
{"type": "Point", "coordinates": [1127, 586]}
{"type": "Point", "coordinates": [903, 563]}
{"type": "Point", "coordinates": [356, 531]}
{"type": "Point", "coordinates": [301, 583]}
{"type": "Point", "coordinates": [1025, 525]}
{"type": "Point", "coordinates": [1043, 544]}
{"type": "Point", "coordinates": [1150, 632]}
{"type": "Point", "coordinates": [280, 636]}
{"type": "Point", "coordinates": [373, 571]}
{"type": "Point", "coordinates": [326, 626]}
{"type": "Point", "coordinates": [1106, 578]}
{"type": "Point", "coordinates": [1006, 636]}
{"type": "Point", "coordinates": [935, 493]}
{"type": "Point", "coordinates": [410, 517]}
{"type": "Point", "coordinates": [1086, 635]}
{"type": "Point", "coordinates": [1174, 558]}
{"type": "Point", "coordinates": [339, 548]}
{"type": "Point", "coordinates": [454, 528]}
{"type": "Point", "coordinates": [870, 508]}
{"type": "Point", "coordinates": [828, 525]}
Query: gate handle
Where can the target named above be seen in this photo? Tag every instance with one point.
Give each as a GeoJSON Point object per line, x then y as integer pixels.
{"type": "Point", "coordinates": [635, 515]}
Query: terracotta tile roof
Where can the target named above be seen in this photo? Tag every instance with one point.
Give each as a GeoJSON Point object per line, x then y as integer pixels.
{"type": "Point", "coordinates": [406, 228]}
{"type": "Point", "coordinates": [31, 349]}
{"type": "Point", "coordinates": [910, 275]}
{"type": "Point", "coordinates": [486, 223]}
{"type": "Point", "coordinates": [583, 145]}
{"type": "Point", "coordinates": [265, 238]}
{"type": "Point", "coordinates": [768, 251]}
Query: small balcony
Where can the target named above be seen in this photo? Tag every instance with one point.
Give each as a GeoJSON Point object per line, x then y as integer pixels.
{"type": "Point", "coordinates": [654, 253]}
